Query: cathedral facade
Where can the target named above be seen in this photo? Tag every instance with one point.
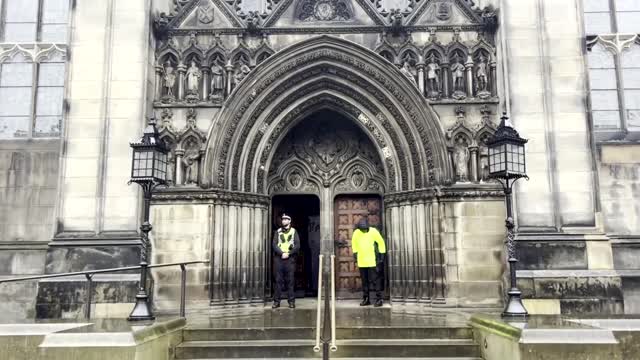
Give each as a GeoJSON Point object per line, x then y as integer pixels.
{"type": "Point", "coordinates": [331, 111]}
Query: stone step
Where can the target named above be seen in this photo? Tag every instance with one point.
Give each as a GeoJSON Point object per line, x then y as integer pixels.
{"type": "Point", "coordinates": [359, 358]}
{"type": "Point", "coordinates": [382, 332]}
{"type": "Point", "coordinates": [353, 348]}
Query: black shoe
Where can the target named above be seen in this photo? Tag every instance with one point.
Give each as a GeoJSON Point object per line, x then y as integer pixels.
{"type": "Point", "coordinates": [275, 305]}
{"type": "Point", "coordinates": [365, 302]}
{"type": "Point", "coordinates": [378, 303]}
{"type": "Point", "coordinates": [292, 305]}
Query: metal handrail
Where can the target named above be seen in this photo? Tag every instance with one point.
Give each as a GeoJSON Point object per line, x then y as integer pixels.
{"type": "Point", "coordinates": [316, 348]}
{"type": "Point", "coordinates": [328, 338]}
{"type": "Point", "coordinates": [90, 273]}
{"type": "Point", "coordinates": [334, 347]}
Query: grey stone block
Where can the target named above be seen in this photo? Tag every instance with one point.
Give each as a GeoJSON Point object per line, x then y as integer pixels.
{"type": "Point", "coordinates": [547, 255]}
{"type": "Point", "coordinates": [68, 259]}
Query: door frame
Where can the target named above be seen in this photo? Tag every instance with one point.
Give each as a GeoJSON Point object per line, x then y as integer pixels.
{"type": "Point", "coordinates": [269, 284]}
{"type": "Point", "coordinates": [382, 229]}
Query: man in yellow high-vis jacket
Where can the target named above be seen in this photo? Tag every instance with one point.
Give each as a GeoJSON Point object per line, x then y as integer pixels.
{"type": "Point", "coordinates": [285, 244]}
{"type": "Point", "coordinates": [368, 250]}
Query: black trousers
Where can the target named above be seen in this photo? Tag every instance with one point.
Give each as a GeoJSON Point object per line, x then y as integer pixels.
{"type": "Point", "coordinates": [372, 279]}
{"type": "Point", "coordinates": [285, 270]}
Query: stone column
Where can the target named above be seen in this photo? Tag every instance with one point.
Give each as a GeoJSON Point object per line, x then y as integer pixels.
{"type": "Point", "coordinates": [158, 87]}
{"type": "Point", "coordinates": [229, 68]}
{"type": "Point", "coordinates": [473, 159]}
{"type": "Point", "coordinates": [205, 83]}
{"type": "Point", "coordinates": [182, 69]}
{"type": "Point", "coordinates": [444, 68]}
{"type": "Point", "coordinates": [469, 67]}
{"type": "Point", "coordinates": [420, 67]}
{"type": "Point", "coordinates": [493, 77]}
{"type": "Point", "coordinates": [326, 221]}
{"type": "Point", "coordinates": [179, 155]}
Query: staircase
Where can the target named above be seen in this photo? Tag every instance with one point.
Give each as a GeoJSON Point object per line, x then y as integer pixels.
{"type": "Point", "coordinates": [361, 334]}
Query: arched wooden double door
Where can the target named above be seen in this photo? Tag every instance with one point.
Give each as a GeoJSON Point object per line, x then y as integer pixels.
{"type": "Point", "coordinates": [348, 211]}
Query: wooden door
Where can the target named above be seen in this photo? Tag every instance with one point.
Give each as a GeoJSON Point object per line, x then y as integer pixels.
{"type": "Point", "coordinates": [348, 210]}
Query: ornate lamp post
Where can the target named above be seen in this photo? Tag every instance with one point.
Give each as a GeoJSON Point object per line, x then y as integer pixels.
{"type": "Point", "coordinates": [148, 169]}
{"type": "Point", "coordinates": [507, 165]}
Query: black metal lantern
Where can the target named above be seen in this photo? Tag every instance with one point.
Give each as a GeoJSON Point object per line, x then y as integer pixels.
{"type": "Point", "coordinates": [507, 165]}
{"type": "Point", "coordinates": [506, 152]}
{"type": "Point", "coordinates": [148, 169]}
{"type": "Point", "coordinates": [149, 157]}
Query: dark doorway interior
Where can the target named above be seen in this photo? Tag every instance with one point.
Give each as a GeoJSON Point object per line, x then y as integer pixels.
{"type": "Point", "coordinates": [305, 218]}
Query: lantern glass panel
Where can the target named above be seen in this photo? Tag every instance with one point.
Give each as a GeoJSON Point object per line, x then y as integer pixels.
{"type": "Point", "coordinates": [160, 166]}
{"type": "Point", "coordinates": [142, 163]}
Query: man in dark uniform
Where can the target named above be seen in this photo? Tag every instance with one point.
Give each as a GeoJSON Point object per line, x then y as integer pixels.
{"type": "Point", "coordinates": [286, 245]}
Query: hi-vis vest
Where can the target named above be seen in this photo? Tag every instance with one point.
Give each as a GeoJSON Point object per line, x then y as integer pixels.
{"type": "Point", "coordinates": [285, 239]}
{"type": "Point", "coordinates": [363, 244]}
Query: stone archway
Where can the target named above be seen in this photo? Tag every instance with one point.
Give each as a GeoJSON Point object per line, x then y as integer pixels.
{"type": "Point", "coordinates": [328, 73]}
{"type": "Point", "coordinates": [325, 71]}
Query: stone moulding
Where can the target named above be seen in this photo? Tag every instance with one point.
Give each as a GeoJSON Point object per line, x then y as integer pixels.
{"type": "Point", "coordinates": [455, 193]}
{"type": "Point", "coordinates": [216, 196]}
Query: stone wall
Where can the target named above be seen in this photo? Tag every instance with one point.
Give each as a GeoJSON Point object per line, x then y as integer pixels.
{"type": "Point", "coordinates": [28, 190]}
{"type": "Point", "coordinates": [445, 247]}
{"type": "Point", "coordinates": [545, 89]}
{"type": "Point", "coordinates": [226, 229]}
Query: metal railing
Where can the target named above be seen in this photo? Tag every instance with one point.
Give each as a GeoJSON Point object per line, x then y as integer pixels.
{"type": "Point", "coordinates": [90, 273]}
{"type": "Point", "coordinates": [328, 328]}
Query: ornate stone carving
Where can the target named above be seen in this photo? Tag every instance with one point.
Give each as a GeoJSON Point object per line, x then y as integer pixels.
{"type": "Point", "coordinates": [348, 159]}
{"type": "Point", "coordinates": [295, 179]}
{"type": "Point", "coordinates": [205, 14]}
{"type": "Point", "coordinates": [443, 11]}
{"type": "Point", "coordinates": [324, 10]}
{"type": "Point", "coordinates": [362, 68]}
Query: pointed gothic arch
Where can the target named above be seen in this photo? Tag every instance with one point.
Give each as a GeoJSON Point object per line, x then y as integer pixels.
{"type": "Point", "coordinates": [325, 72]}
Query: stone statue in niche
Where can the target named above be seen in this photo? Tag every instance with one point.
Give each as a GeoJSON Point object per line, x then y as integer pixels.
{"type": "Point", "coordinates": [169, 81]}
{"type": "Point", "coordinates": [433, 78]}
{"type": "Point", "coordinates": [241, 71]}
{"type": "Point", "coordinates": [406, 71]}
{"type": "Point", "coordinates": [461, 160]}
{"type": "Point", "coordinates": [190, 164]}
{"type": "Point", "coordinates": [171, 168]}
{"type": "Point", "coordinates": [484, 164]}
{"type": "Point", "coordinates": [457, 77]}
{"type": "Point", "coordinates": [482, 83]}
{"type": "Point", "coordinates": [217, 82]}
{"type": "Point", "coordinates": [193, 82]}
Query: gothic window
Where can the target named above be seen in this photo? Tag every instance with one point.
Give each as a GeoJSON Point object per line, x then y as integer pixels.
{"type": "Point", "coordinates": [49, 97]}
{"type": "Point", "coordinates": [32, 78]}
{"type": "Point", "coordinates": [631, 76]}
{"type": "Point", "coordinates": [34, 21]}
{"type": "Point", "coordinates": [31, 96]}
{"type": "Point", "coordinates": [16, 78]}
{"type": "Point", "coordinates": [612, 32]}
